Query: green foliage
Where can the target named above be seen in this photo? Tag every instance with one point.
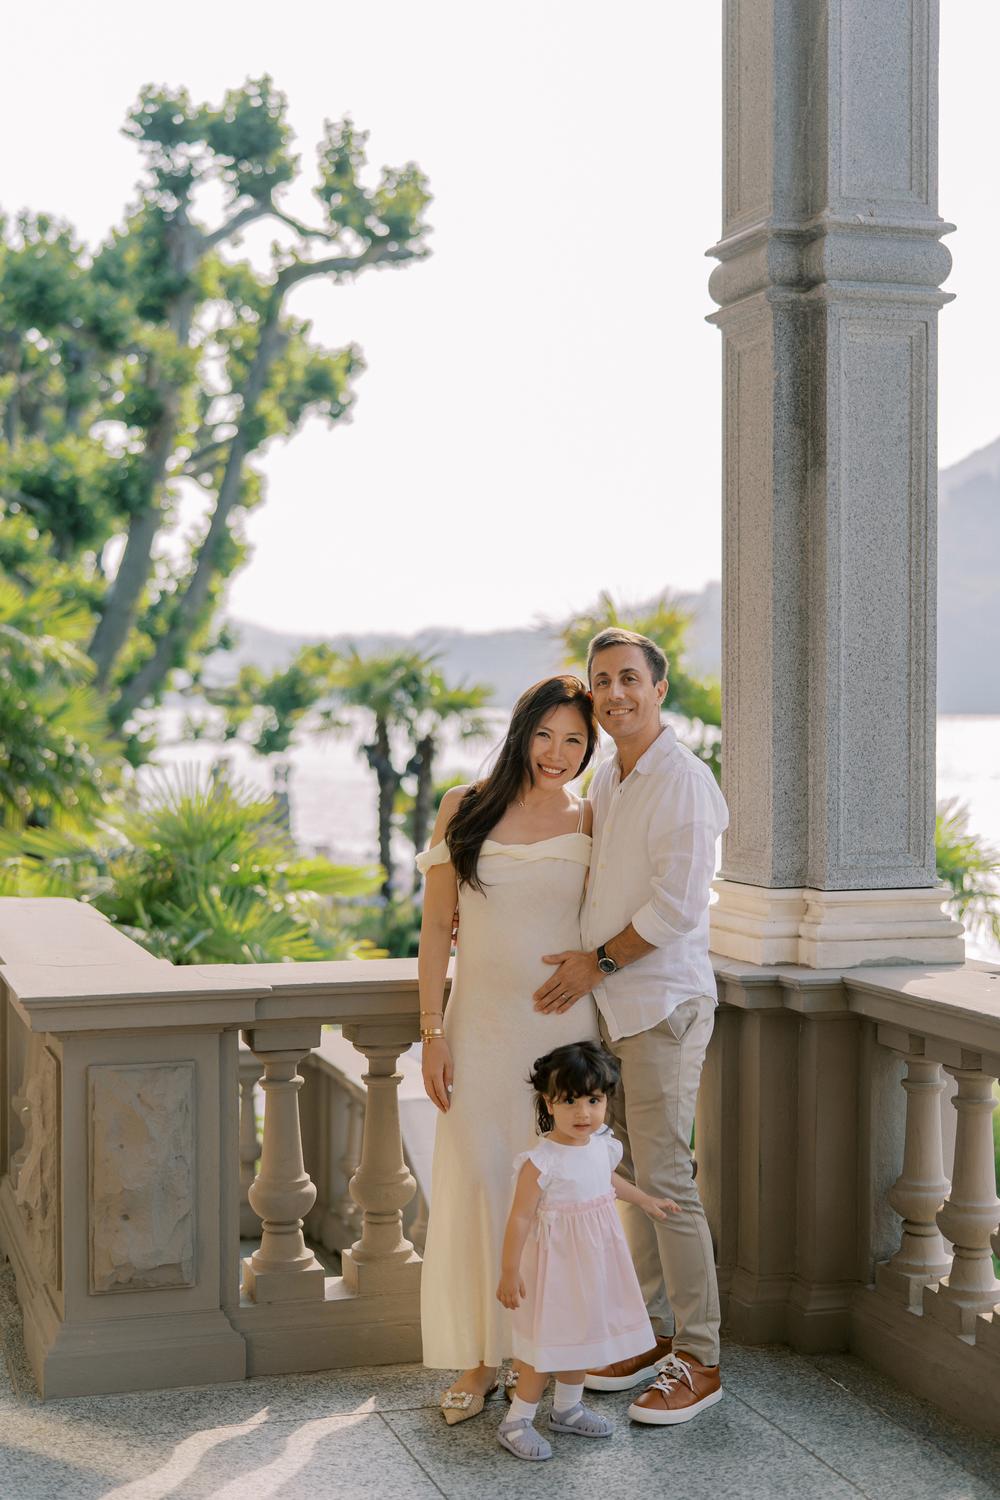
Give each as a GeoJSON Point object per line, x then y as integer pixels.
{"type": "Point", "coordinates": [387, 929]}
{"type": "Point", "coordinates": [196, 873]}
{"type": "Point", "coordinates": [158, 363]}
{"type": "Point", "coordinates": [667, 623]}
{"type": "Point", "coordinates": [266, 712]}
{"type": "Point", "coordinates": [391, 214]}
{"type": "Point", "coordinates": [971, 867]}
{"type": "Point", "coordinates": [56, 753]}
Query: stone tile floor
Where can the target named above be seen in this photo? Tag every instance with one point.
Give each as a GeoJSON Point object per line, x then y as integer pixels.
{"type": "Point", "coordinates": [814, 1428]}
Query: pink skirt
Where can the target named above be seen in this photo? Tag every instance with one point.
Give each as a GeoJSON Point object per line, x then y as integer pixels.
{"type": "Point", "coordinates": [583, 1307]}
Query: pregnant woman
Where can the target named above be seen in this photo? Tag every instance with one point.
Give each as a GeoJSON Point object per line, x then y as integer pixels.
{"type": "Point", "coordinates": [512, 853]}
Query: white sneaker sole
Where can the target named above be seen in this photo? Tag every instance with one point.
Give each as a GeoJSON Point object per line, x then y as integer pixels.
{"type": "Point", "coordinates": [623, 1382]}
{"type": "Point", "coordinates": [671, 1418]}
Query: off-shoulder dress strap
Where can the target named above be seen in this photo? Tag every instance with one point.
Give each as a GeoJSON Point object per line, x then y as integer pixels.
{"type": "Point", "coordinates": [437, 854]}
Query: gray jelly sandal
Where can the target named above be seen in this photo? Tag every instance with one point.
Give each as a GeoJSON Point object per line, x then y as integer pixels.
{"type": "Point", "coordinates": [581, 1422]}
{"type": "Point", "coordinates": [520, 1438]}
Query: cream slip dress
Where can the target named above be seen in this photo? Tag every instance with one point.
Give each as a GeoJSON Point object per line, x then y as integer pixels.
{"type": "Point", "coordinates": [531, 906]}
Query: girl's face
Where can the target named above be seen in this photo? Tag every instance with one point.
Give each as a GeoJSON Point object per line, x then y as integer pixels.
{"type": "Point", "coordinates": [558, 746]}
{"type": "Point", "coordinates": [577, 1119]}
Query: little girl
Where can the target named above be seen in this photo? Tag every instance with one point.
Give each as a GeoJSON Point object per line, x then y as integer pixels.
{"type": "Point", "coordinates": [566, 1271]}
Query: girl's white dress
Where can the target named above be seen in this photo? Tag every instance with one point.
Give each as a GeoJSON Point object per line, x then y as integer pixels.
{"type": "Point", "coordinates": [531, 907]}
{"type": "Point", "coordinates": [583, 1307]}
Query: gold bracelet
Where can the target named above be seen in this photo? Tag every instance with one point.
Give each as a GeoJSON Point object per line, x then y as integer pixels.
{"type": "Point", "coordinates": [428, 1034]}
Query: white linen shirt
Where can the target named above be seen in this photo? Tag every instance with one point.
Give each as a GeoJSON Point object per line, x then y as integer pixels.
{"type": "Point", "coordinates": [652, 864]}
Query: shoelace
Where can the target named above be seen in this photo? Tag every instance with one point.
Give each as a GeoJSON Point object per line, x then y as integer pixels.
{"type": "Point", "coordinates": [673, 1371]}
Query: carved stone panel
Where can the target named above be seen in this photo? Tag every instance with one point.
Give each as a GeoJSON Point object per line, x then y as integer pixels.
{"type": "Point", "coordinates": [142, 1176]}
{"type": "Point", "coordinates": [35, 1168]}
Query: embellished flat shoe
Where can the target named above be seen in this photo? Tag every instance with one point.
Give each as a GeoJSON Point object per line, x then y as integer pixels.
{"type": "Point", "coordinates": [459, 1406]}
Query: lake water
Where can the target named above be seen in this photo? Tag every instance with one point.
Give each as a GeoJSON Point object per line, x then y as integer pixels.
{"type": "Point", "coordinates": [332, 791]}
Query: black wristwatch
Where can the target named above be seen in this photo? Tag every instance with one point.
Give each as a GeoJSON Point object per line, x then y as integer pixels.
{"type": "Point", "coordinates": [605, 962]}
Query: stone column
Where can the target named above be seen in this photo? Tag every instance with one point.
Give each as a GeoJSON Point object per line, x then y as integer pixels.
{"type": "Point", "coordinates": [828, 290]}
{"type": "Point", "coordinates": [971, 1211]}
{"type": "Point", "coordinates": [382, 1259]}
{"type": "Point", "coordinates": [283, 1269]}
{"type": "Point", "coordinates": [919, 1190]}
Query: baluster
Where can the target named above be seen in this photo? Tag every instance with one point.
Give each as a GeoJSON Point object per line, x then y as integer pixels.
{"type": "Point", "coordinates": [249, 1145]}
{"type": "Point", "coordinates": [347, 1211]}
{"type": "Point", "coordinates": [382, 1259]}
{"type": "Point", "coordinates": [919, 1190]}
{"type": "Point", "coordinates": [283, 1269]}
{"type": "Point", "coordinates": [971, 1211]}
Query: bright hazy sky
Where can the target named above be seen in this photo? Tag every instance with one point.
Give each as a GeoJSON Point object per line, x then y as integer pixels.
{"type": "Point", "coordinates": [540, 417]}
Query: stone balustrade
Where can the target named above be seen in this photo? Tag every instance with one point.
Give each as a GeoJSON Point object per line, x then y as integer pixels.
{"type": "Point", "coordinates": [843, 1136]}
{"type": "Point", "coordinates": [128, 1141]}
{"type": "Point", "coordinates": [332, 1107]}
{"type": "Point", "coordinates": [846, 1158]}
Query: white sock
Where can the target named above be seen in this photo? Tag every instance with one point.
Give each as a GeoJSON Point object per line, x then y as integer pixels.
{"type": "Point", "coordinates": [566, 1396]}
{"type": "Point", "coordinates": [519, 1409]}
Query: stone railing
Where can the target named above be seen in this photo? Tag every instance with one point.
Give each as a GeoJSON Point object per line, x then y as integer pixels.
{"type": "Point", "coordinates": [843, 1138]}
{"type": "Point", "coordinates": [332, 1106]}
{"type": "Point", "coordinates": [129, 1144]}
{"type": "Point", "coordinates": [833, 1106]}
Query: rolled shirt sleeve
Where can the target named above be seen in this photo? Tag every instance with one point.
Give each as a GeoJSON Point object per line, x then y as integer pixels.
{"type": "Point", "coordinates": [654, 859]}
{"type": "Point", "coordinates": [683, 861]}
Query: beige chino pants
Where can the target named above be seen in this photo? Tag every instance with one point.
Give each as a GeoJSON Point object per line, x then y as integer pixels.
{"type": "Point", "coordinates": [652, 1114]}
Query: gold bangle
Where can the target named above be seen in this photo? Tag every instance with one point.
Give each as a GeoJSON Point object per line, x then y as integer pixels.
{"type": "Point", "coordinates": [428, 1033]}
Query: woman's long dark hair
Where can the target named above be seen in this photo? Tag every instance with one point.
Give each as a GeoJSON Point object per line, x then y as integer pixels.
{"type": "Point", "coordinates": [485, 803]}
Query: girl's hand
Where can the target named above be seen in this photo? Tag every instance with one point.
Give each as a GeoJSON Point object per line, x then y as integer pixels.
{"type": "Point", "coordinates": [438, 1072]}
{"type": "Point", "coordinates": [511, 1290]}
{"type": "Point", "coordinates": [658, 1208]}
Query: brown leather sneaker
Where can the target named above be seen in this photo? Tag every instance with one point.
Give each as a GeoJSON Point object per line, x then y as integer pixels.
{"type": "Point", "coordinates": [629, 1372]}
{"type": "Point", "coordinates": [682, 1389]}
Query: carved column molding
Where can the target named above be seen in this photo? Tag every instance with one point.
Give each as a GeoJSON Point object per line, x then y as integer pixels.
{"type": "Point", "coordinates": [382, 1259]}
{"type": "Point", "coordinates": [283, 1269]}
{"type": "Point", "coordinates": [919, 1190]}
{"type": "Point", "coordinates": [971, 1211]}
{"type": "Point", "coordinates": [249, 1145]}
{"type": "Point", "coordinates": [828, 284]}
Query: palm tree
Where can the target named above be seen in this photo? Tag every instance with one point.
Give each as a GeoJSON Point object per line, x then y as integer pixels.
{"type": "Point", "coordinates": [461, 705]}
{"type": "Point", "coordinates": [391, 688]}
{"type": "Point", "coordinates": [667, 623]}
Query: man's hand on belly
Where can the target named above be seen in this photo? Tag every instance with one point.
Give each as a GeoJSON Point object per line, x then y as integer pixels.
{"type": "Point", "coordinates": [575, 976]}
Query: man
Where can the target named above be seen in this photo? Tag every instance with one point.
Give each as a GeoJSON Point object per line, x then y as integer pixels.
{"type": "Point", "coordinates": [657, 816]}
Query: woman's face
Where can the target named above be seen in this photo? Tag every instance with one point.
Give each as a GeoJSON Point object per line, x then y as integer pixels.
{"type": "Point", "coordinates": [558, 746]}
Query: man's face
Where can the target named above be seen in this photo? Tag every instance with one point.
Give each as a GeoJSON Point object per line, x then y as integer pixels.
{"type": "Point", "coordinates": [626, 699]}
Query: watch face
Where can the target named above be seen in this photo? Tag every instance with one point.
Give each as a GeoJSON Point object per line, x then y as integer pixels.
{"type": "Point", "coordinates": [607, 965]}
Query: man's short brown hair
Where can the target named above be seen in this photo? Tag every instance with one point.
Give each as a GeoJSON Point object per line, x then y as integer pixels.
{"type": "Point", "coordinates": [616, 636]}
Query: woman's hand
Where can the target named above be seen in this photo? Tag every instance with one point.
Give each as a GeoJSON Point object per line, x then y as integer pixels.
{"type": "Point", "coordinates": [439, 1072]}
{"type": "Point", "coordinates": [511, 1290]}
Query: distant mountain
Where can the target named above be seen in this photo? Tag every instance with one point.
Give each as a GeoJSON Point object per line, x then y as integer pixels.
{"type": "Point", "coordinates": [969, 584]}
{"type": "Point", "coordinates": [968, 614]}
{"type": "Point", "coordinates": [509, 660]}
